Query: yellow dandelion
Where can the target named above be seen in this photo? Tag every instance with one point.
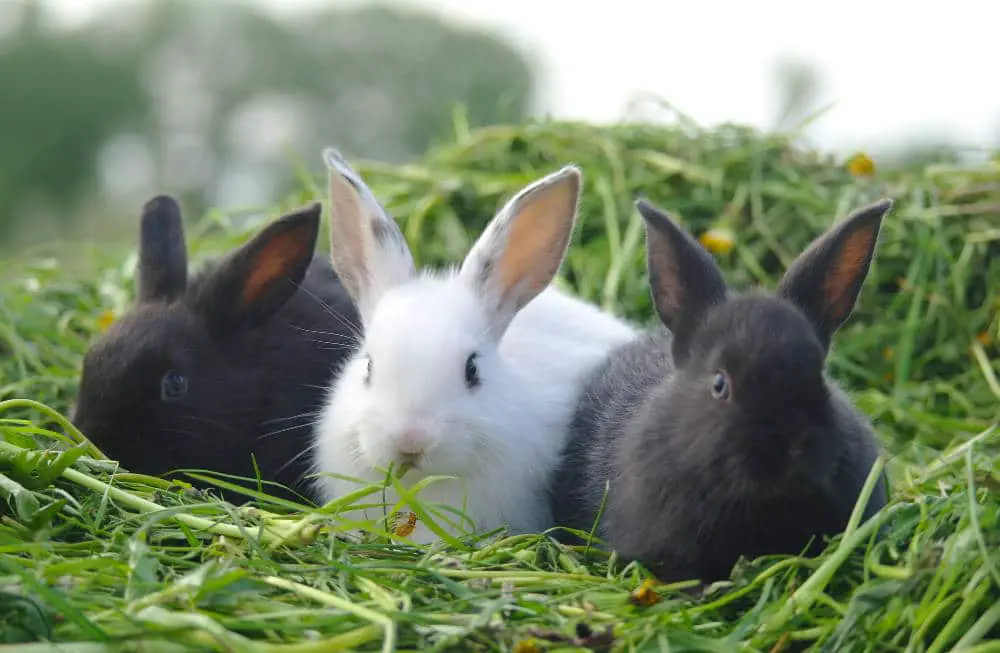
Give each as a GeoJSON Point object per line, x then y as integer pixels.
{"type": "Point", "coordinates": [529, 645]}
{"type": "Point", "coordinates": [403, 524]}
{"type": "Point", "coordinates": [861, 165]}
{"type": "Point", "coordinates": [984, 338]}
{"type": "Point", "coordinates": [645, 595]}
{"type": "Point", "coordinates": [718, 240]}
{"type": "Point", "coordinates": [105, 320]}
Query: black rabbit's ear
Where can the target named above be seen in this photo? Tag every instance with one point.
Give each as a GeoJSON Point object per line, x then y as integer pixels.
{"type": "Point", "coordinates": [826, 279]}
{"type": "Point", "coordinates": [259, 277]}
{"type": "Point", "coordinates": [162, 252]}
{"type": "Point", "coordinates": [684, 279]}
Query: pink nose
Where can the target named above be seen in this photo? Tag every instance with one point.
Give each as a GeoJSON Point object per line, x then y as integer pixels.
{"type": "Point", "coordinates": [412, 442]}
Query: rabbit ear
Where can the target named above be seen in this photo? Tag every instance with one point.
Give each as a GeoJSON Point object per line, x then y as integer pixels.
{"type": "Point", "coordinates": [368, 250]}
{"type": "Point", "coordinates": [684, 280]}
{"type": "Point", "coordinates": [257, 279]}
{"type": "Point", "coordinates": [522, 248]}
{"type": "Point", "coordinates": [162, 252]}
{"type": "Point", "coordinates": [826, 279]}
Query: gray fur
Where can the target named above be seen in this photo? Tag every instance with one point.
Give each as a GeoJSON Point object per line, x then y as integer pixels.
{"type": "Point", "coordinates": [388, 234]}
{"type": "Point", "coordinates": [610, 398]}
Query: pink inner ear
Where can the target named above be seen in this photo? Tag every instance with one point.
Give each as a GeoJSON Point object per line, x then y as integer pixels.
{"type": "Point", "coordinates": [270, 264]}
{"type": "Point", "coordinates": [535, 244]}
{"type": "Point", "coordinates": [839, 284]}
{"type": "Point", "coordinates": [663, 263]}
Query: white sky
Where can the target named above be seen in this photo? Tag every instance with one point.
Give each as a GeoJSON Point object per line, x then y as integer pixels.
{"type": "Point", "coordinates": [890, 68]}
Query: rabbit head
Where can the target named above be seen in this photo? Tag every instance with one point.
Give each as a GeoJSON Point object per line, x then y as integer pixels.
{"type": "Point", "coordinates": [193, 373]}
{"type": "Point", "coordinates": [750, 368]}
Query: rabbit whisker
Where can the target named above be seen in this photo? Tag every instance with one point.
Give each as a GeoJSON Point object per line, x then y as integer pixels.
{"type": "Point", "coordinates": [308, 413]}
{"type": "Point", "coordinates": [294, 458]}
{"type": "Point", "coordinates": [286, 429]}
{"type": "Point", "coordinates": [333, 313]}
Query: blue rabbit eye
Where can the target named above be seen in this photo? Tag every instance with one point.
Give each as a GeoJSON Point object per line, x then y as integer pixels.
{"type": "Point", "coordinates": [720, 386]}
{"type": "Point", "coordinates": [174, 385]}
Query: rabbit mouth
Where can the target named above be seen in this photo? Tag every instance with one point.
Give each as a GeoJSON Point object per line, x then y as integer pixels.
{"type": "Point", "coordinates": [408, 461]}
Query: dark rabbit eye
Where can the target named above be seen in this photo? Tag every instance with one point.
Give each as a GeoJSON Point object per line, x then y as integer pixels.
{"type": "Point", "coordinates": [471, 371]}
{"type": "Point", "coordinates": [720, 386]}
{"type": "Point", "coordinates": [174, 385]}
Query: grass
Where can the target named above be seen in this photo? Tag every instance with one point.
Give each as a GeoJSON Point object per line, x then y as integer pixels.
{"type": "Point", "coordinates": [95, 559]}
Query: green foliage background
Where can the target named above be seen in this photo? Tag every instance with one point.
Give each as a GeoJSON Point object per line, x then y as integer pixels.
{"type": "Point", "coordinates": [80, 562]}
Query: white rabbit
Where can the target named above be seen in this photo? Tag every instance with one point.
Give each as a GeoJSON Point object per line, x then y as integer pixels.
{"type": "Point", "coordinates": [471, 372]}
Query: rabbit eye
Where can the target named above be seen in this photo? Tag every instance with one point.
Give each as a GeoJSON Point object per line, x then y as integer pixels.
{"type": "Point", "coordinates": [471, 372]}
{"type": "Point", "coordinates": [720, 386]}
{"type": "Point", "coordinates": [174, 385]}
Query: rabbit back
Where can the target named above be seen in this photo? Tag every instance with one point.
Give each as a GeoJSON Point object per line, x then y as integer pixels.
{"type": "Point", "coordinates": [608, 402]}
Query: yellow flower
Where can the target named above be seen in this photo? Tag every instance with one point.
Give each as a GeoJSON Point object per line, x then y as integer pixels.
{"type": "Point", "coordinates": [403, 523]}
{"type": "Point", "coordinates": [105, 320]}
{"type": "Point", "coordinates": [984, 338]}
{"type": "Point", "coordinates": [861, 165]}
{"type": "Point", "coordinates": [645, 595]}
{"type": "Point", "coordinates": [529, 645]}
{"type": "Point", "coordinates": [717, 240]}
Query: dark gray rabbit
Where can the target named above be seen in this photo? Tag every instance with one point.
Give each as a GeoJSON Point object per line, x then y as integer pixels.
{"type": "Point", "coordinates": [721, 435]}
{"type": "Point", "coordinates": [202, 374]}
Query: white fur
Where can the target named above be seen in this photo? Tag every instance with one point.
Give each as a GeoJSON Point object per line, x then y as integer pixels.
{"type": "Point", "coordinates": [501, 439]}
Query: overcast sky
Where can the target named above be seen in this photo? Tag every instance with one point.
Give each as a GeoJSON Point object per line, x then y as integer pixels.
{"type": "Point", "coordinates": [889, 68]}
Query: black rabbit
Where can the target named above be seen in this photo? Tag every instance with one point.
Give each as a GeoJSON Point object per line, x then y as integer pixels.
{"type": "Point", "coordinates": [721, 435]}
{"type": "Point", "coordinates": [202, 374]}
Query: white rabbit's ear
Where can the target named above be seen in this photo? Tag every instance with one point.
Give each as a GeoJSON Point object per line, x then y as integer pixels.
{"type": "Point", "coordinates": [522, 248]}
{"type": "Point", "coordinates": [369, 252]}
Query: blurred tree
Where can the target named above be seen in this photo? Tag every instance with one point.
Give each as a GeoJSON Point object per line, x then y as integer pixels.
{"type": "Point", "coordinates": [407, 70]}
{"type": "Point", "coordinates": [60, 102]}
{"type": "Point", "coordinates": [207, 100]}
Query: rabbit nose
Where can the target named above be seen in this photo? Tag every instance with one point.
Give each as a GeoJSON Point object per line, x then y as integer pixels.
{"type": "Point", "coordinates": [412, 442]}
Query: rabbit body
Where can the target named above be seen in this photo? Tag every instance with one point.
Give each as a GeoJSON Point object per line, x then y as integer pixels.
{"type": "Point", "coordinates": [721, 436]}
{"type": "Point", "coordinates": [233, 364]}
{"type": "Point", "coordinates": [468, 372]}
{"type": "Point", "coordinates": [502, 444]}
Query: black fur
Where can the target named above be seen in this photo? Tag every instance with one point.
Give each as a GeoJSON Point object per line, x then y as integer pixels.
{"type": "Point", "coordinates": [162, 253]}
{"type": "Point", "coordinates": [696, 481]}
{"type": "Point", "coordinates": [256, 361]}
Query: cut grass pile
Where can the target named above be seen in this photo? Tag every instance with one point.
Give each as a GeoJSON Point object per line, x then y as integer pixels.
{"type": "Point", "coordinates": [100, 560]}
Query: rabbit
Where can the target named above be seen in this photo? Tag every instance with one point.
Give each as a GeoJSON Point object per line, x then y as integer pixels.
{"type": "Point", "coordinates": [202, 374]}
{"type": "Point", "coordinates": [467, 371]}
{"type": "Point", "coordinates": [721, 436]}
